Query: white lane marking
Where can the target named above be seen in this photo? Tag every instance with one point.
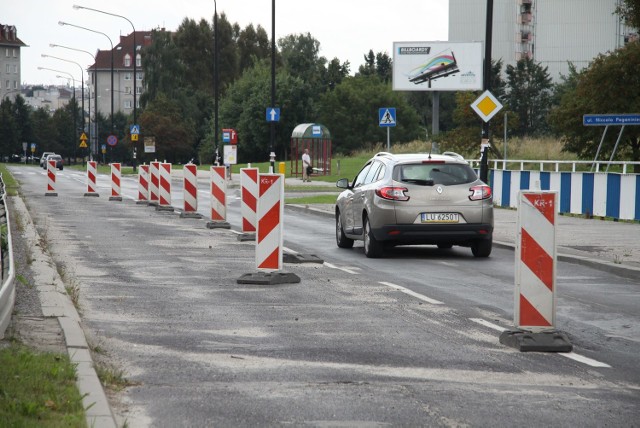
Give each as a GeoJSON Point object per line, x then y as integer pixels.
{"type": "Point", "coordinates": [329, 265]}
{"type": "Point", "coordinates": [289, 250]}
{"type": "Point", "coordinates": [585, 360]}
{"type": "Point", "coordinates": [571, 355]}
{"type": "Point", "coordinates": [488, 324]}
{"type": "Point", "coordinates": [412, 293]}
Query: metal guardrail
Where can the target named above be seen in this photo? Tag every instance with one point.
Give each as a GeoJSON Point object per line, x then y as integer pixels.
{"type": "Point", "coordinates": [556, 165]}
{"type": "Point", "coordinates": [7, 290]}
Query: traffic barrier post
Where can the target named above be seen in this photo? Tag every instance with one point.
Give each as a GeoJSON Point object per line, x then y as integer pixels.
{"type": "Point", "coordinates": [154, 182]}
{"type": "Point", "coordinates": [218, 199]}
{"type": "Point", "coordinates": [249, 202]}
{"type": "Point", "coordinates": [51, 178]}
{"type": "Point", "coordinates": [164, 201]}
{"type": "Point", "coordinates": [190, 192]}
{"type": "Point", "coordinates": [535, 276]}
{"type": "Point", "coordinates": [92, 173]}
{"type": "Point", "coordinates": [143, 184]}
{"type": "Point", "coordinates": [116, 175]}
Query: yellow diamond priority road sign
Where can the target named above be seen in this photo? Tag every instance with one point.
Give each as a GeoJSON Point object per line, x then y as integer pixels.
{"type": "Point", "coordinates": [486, 106]}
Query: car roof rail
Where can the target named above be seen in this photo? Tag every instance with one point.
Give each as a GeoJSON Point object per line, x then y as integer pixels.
{"type": "Point", "coordinates": [453, 155]}
{"type": "Point", "coordinates": [384, 154]}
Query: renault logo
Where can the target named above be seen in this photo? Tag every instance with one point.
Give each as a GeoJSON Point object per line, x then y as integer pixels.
{"type": "Point", "coordinates": [439, 189]}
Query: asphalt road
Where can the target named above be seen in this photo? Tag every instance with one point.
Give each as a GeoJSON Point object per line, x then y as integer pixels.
{"type": "Point", "coordinates": [409, 340]}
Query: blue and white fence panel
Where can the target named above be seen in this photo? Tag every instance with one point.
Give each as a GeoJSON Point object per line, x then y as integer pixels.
{"type": "Point", "coordinates": [596, 194]}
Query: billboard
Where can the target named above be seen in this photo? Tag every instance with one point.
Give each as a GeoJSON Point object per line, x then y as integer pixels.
{"type": "Point", "coordinates": [437, 66]}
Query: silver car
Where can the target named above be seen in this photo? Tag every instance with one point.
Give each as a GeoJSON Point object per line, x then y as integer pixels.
{"type": "Point", "coordinates": [415, 199]}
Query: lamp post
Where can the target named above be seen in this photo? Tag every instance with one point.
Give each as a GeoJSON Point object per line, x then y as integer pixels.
{"type": "Point", "coordinates": [215, 78]}
{"type": "Point", "coordinates": [75, 123]}
{"type": "Point", "coordinates": [81, 73]}
{"type": "Point", "coordinates": [109, 38]}
{"type": "Point", "coordinates": [94, 148]}
{"type": "Point", "coordinates": [135, 58]}
{"type": "Point", "coordinates": [273, 81]}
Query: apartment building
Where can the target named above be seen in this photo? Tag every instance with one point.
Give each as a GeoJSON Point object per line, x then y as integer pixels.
{"type": "Point", "coordinates": [124, 82]}
{"type": "Point", "coordinates": [552, 32]}
{"type": "Point", "coordinates": [10, 46]}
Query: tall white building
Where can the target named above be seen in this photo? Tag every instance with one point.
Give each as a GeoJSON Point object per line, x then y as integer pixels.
{"type": "Point", "coordinates": [552, 32]}
{"type": "Point", "coordinates": [10, 70]}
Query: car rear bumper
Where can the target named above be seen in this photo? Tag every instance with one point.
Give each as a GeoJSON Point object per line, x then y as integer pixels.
{"type": "Point", "coordinates": [434, 233]}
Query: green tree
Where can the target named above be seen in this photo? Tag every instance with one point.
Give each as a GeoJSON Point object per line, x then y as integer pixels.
{"type": "Point", "coordinates": [529, 95]}
{"type": "Point", "coordinates": [630, 12]}
{"type": "Point", "coordinates": [379, 64]}
{"type": "Point", "coordinates": [9, 143]}
{"type": "Point", "coordinates": [300, 58]}
{"type": "Point", "coordinates": [253, 45]}
{"type": "Point", "coordinates": [45, 133]}
{"type": "Point", "coordinates": [608, 86]}
{"type": "Point", "coordinates": [350, 111]}
{"type": "Point", "coordinates": [194, 42]}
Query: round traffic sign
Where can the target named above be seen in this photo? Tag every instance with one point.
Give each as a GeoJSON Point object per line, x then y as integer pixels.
{"type": "Point", "coordinates": [112, 140]}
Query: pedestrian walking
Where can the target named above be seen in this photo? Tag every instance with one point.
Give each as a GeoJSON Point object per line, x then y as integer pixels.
{"type": "Point", "coordinates": [306, 166]}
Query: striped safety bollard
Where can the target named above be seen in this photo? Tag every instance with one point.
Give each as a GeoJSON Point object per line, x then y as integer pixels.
{"type": "Point", "coordinates": [270, 213]}
{"type": "Point", "coordinates": [116, 175]}
{"type": "Point", "coordinates": [190, 192]}
{"type": "Point", "coordinates": [535, 276]}
{"type": "Point", "coordinates": [218, 199]}
{"type": "Point", "coordinates": [143, 184]}
{"type": "Point", "coordinates": [92, 174]}
{"type": "Point", "coordinates": [249, 202]}
{"type": "Point", "coordinates": [164, 201]}
{"type": "Point", "coordinates": [154, 182]}
{"type": "Point", "coordinates": [51, 178]}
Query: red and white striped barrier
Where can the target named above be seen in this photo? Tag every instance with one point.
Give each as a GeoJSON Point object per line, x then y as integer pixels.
{"type": "Point", "coordinates": [270, 215]}
{"type": "Point", "coordinates": [116, 174]}
{"type": "Point", "coordinates": [51, 178]}
{"type": "Point", "coordinates": [154, 182]}
{"type": "Point", "coordinates": [249, 198]}
{"type": "Point", "coordinates": [218, 193]}
{"type": "Point", "coordinates": [165, 186]}
{"type": "Point", "coordinates": [535, 297]}
{"type": "Point", "coordinates": [143, 184]}
{"type": "Point", "coordinates": [92, 173]}
{"type": "Point", "coordinates": [190, 173]}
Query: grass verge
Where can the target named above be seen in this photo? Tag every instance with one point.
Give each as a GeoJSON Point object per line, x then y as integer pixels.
{"type": "Point", "coordinates": [28, 401]}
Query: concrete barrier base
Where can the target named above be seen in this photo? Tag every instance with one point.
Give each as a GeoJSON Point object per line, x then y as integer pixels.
{"type": "Point", "coordinates": [269, 278]}
{"type": "Point", "coordinates": [115, 198]}
{"type": "Point", "coordinates": [246, 237]}
{"type": "Point", "coordinates": [93, 194]}
{"type": "Point", "coordinates": [218, 225]}
{"type": "Point", "coordinates": [164, 208]}
{"type": "Point", "coordinates": [526, 341]}
{"type": "Point", "coordinates": [51, 194]}
{"type": "Point", "coordinates": [184, 214]}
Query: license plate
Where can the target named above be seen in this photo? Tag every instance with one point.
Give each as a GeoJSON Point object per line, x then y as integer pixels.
{"type": "Point", "coordinates": [440, 217]}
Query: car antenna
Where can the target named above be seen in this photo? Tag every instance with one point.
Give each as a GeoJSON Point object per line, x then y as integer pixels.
{"type": "Point", "coordinates": [426, 131]}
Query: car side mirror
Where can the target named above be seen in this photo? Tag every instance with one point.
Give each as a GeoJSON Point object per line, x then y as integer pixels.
{"type": "Point", "coordinates": [343, 183]}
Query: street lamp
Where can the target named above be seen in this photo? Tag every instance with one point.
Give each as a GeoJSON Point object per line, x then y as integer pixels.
{"type": "Point", "coordinates": [273, 81]}
{"type": "Point", "coordinates": [98, 32]}
{"type": "Point", "coordinates": [94, 148]}
{"type": "Point", "coordinates": [75, 123]}
{"type": "Point", "coordinates": [82, 74]}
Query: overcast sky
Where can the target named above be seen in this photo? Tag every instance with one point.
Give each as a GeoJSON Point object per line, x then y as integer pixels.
{"type": "Point", "coordinates": [346, 29]}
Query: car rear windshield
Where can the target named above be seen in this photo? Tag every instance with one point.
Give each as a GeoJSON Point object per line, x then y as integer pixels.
{"type": "Point", "coordinates": [425, 174]}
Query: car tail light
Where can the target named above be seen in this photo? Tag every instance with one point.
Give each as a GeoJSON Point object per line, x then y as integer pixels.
{"type": "Point", "coordinates": [433, 161]}
{"type": "Point", "coordinates": [393, 193]}
{"type": "Point", "coordinates": [480, 192]}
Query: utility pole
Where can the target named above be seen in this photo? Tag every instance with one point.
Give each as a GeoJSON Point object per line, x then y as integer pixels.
{"type": "Point", "coordinates": [484, 161]}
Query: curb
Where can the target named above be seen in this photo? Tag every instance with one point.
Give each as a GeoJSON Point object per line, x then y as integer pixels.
{"type": "Point", "coordinates": [56, 303]}
{"type": "Point", "coordinates": [605, 266]}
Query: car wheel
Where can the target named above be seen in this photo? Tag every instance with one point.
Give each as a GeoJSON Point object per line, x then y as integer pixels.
{"type": "Point", "coordinates": [372, 248]}
{"type": "Point", "coordinates": [482, 248]}
{"type": "Point", "coordinates": [341, 239]}
{"type": "Point", "coordinates": [445, 246]}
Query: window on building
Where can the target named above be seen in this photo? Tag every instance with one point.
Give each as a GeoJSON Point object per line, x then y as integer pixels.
{"type": "Point", "coordinates": [0, 84]}
{"type": "Point", "coordinates": [137, 103]}
{"type": "Point", "coordinates": [6, 53]}
{"type": "Point", "coordinates": [139, 76]}
{"type": "Point", "coordinates": [8, 68]}
{"type": "Point", "coordinates": [15, 84]}
{"type": "Point", "coordinates": [138, 60]}
{"type": "Point", "coordinates": [138, 89]}
{"type": "Point", "coordinates": [127, 60]}
{"type": "Point", "coordinates": [15, 69]}
{"type": "Point", "coordinates": [127, 89]}
{"type": "Point", "coordinates": [7, 85]}
{"type": "Point", "coordinates": [127, 76]}
{"type": "Point", "coordinates": [127, 104]}
{"type": "Point", "coordinates": [15, 52]}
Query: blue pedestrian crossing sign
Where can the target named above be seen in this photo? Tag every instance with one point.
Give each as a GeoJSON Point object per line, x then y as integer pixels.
{"type": "Point", "coordinates": [134, 130]}
{"type": "Point", "coordinates": [387, 117]}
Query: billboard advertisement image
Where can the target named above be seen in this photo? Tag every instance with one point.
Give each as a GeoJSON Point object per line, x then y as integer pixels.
{"type": "Point", "coordinates": [437, 66]}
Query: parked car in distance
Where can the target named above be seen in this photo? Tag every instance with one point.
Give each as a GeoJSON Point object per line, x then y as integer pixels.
{"type": "Point", "coordinates": [43, 158]}
{"type": "Point", "coordinates": [415, 199]}
{"type": "Point", "coordinates": [57, 159]}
